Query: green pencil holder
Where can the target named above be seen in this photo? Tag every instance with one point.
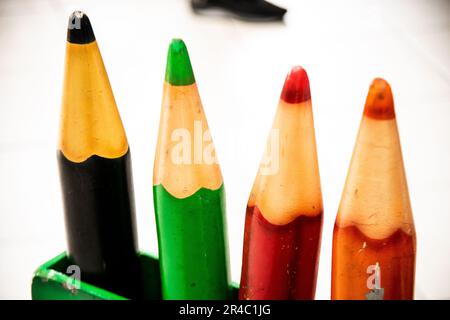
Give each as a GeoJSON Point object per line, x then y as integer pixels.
{"type": "Point", "coordinates": [50, 282]}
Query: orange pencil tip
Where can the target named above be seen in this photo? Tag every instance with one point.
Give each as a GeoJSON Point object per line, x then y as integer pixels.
{"type": "Point", "coordinates": [379, 101]}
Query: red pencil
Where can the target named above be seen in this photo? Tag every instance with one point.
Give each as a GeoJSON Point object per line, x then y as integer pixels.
{"type": "Point", "coordinates": [284, 213]}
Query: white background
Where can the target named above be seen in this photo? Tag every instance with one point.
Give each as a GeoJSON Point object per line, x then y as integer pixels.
{"type": "Point", "coordinates": [240, 69]}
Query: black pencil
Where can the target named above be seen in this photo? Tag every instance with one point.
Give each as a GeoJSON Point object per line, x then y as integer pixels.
{"type": "Point", "coordinates": [95, 169]}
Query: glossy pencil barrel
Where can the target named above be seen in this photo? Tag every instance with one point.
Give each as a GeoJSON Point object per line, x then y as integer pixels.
{"type": "Point", "coordinates": [191, 237]}
{"type": "Point", "coordinates": [354, 255]}
{"type": "Point", "coordinates": [100, 226]}
{"type": "Point", "coordinates": [289, 254]}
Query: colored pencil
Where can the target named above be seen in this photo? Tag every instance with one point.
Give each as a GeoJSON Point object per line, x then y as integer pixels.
{"type": "Point", "coordinates": [283, 221]}
{"type": "Point", "coordinates": [374, 241]}
{"type": "Point", "coordinates": [95, 169]}
{"type": "Point", "coordinates": [188, 191]}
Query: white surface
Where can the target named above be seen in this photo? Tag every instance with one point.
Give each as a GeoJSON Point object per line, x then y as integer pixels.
{"type": "Point", "coordinates": [240, 69]}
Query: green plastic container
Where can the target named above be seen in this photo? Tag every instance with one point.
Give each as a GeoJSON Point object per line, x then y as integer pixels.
{"type": "Point", "coordinates": [50, 282]}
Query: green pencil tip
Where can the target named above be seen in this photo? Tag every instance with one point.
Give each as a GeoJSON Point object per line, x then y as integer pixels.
{"type": "Point", "coordinates": [179, 70]}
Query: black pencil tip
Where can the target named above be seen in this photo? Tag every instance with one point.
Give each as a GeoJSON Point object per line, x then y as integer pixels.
{"type": "Point", "coordinates": [79, 29]}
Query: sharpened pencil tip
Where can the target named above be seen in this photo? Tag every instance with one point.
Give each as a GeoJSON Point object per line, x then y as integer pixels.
{"type": "Point", "coordinates": [379, 102]}
{"type": "Point", "coordinates": [296, 86]}
{"type": "Point", "coordinates": [179, 70]}
{"type": "Point", "coordinates": [79, 29]}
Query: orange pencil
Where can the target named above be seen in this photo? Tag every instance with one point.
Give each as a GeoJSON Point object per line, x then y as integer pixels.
{"type": "Point", "coordinates": [374, 240]}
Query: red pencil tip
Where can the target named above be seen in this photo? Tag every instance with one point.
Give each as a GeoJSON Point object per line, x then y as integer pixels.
{"type": "Point", "coordinates": [379, 102]}
{"type": "Point", "coordinates": [296, 86]}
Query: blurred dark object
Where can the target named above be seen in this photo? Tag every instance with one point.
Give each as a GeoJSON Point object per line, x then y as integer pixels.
{"type": "Point", "coordinates": [251, 10]}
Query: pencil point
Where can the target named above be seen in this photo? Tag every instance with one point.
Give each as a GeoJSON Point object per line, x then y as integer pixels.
{"type": "Point", "coordinates": [179, 70]}
{"type": "Point", "coordinates": [79, 29]}
{"type": "Point", "coordinates": [296, 86]}
{"type": "Point", "coordinates": [379, 102]}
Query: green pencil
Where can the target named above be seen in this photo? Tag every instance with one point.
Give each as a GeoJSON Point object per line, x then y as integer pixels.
{"type": "Point", "coordinates": [188, 191]}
